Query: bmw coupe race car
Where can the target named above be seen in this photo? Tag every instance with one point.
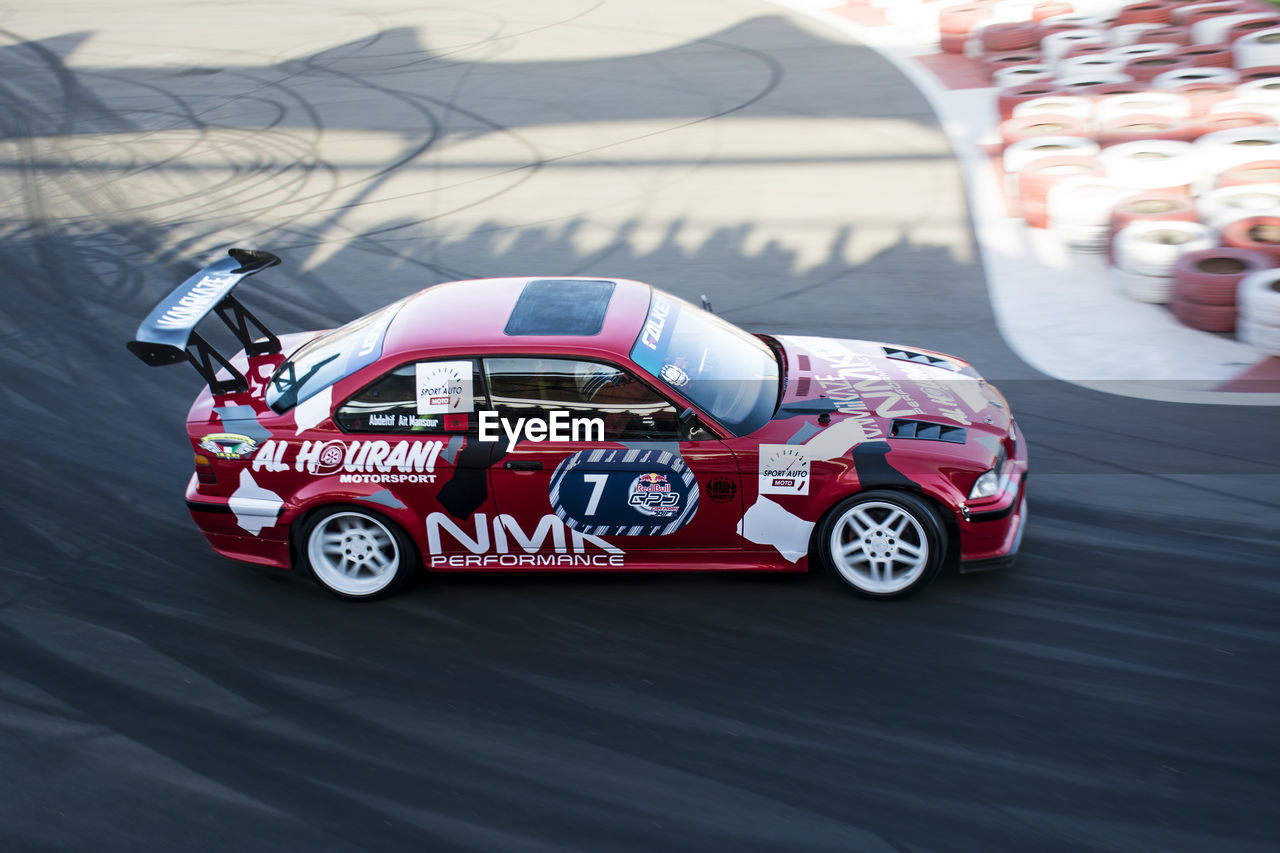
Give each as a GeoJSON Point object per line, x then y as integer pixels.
{"type": "Point", "coordinates": [582, 424]}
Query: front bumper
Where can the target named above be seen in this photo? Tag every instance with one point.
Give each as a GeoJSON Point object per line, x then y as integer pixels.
{"type": "Point", "coordinates": [991, 531]}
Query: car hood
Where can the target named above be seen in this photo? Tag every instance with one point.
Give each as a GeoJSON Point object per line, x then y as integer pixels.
{"type": "Point", "coordinates": [877, 384]}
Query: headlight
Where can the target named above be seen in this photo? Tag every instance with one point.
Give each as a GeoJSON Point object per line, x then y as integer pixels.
{"type": "Point", "coordinates": [986, 486]}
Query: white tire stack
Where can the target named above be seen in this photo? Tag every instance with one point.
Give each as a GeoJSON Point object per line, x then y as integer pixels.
{"type": "Point", "coordinates": [1062, 105]}
{"type": "Point", "coordinates": [1215, 30]}
{"type": "Point", "coordinates": [1266, 105]}
{"type": "Point", "coordinates": [1259, 301]}
{"type": "Point", "coordinates": [1267, 88]}
{"type": "Point", "coordinates": [1091, 64]}
{"type": "Point", "coordinates": [1145, 254]}
{"type": "Point", "coordinates": [1014, 75]}
{"type": "Point", "coordinates": [1171, 104]}
{"type": "Point", "coordinates": [1219, 208]}
{"type": "Point", "coordinates": [1127, 34]}
{"type": "Point", "coordinates": [1223, 149]}
{"type": "Point", "coordinates": [1079, 211]}
{"type": "Point", "coordinates": [1257, 49]}
{"type": "Point", "coordinates": [1054, 46]}
{"type": "Point", "coordinates": [1152, 164]}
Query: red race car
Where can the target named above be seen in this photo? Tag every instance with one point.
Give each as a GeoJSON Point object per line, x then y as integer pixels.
{"type": "Point", "coordinates": [570, 423]}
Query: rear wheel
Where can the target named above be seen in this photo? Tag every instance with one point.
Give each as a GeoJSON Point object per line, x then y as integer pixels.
{"type": "Point", "coordinates": [358, 554]}
{"type": "Point", "coordinates": [883, 544]}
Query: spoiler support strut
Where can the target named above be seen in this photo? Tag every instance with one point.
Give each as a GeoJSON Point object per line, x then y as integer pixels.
{"type": "Point", "coordinates": [168, 336]}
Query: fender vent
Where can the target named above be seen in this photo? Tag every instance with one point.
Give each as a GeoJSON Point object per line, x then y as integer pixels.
{"type": "Point", "coordinates": [927, 431]}
{"type": "Point", "coordinates": [919, 358]}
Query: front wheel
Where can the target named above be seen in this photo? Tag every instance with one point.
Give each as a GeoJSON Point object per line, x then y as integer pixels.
{"type": "Point", "coordinates": [883, 544]}
{"type": "Point", "coordinates": [355, 553]}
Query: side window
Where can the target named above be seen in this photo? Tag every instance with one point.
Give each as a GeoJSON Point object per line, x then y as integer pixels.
{"type": "Point", "coordinates": [536, 387]}
{"type": "Point", "coordinates": [422, 398]}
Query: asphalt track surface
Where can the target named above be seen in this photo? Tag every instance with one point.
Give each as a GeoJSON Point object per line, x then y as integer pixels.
{"type": "Point", "coordinates": [1115, 691]}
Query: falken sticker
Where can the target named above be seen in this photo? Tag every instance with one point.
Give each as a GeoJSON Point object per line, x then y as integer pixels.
{"type": "Point", "coordinates": [444, 387]}
{"type": "Point", "coordinates": [228, 445]}
{"type": "Point", "coordinates": [784, 470]}
{"type": "Point", "coordinates": [624, 492]}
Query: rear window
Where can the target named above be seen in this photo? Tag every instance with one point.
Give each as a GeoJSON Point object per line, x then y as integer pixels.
{"type": "Point", "coordinates": [334, 355]}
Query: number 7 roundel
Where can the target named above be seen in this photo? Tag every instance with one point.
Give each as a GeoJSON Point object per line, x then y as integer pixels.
{"type": "Point", "coordinates": [624, 492]}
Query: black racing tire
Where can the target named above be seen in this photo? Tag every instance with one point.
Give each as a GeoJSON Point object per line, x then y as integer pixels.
{"type": "Point", "coordinates": [884, 544]}
{"type": "Point", "coordinates": [357, 554]}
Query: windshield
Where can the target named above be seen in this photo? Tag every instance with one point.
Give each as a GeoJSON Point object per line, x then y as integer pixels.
{"type": "Point", "coordinates": [336, 355]}
{"type": "Point", "coordinates": [731, 375]}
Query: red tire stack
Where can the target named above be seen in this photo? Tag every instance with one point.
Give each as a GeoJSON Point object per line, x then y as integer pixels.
{"type": "Point", "coordinates": [1166, 35]}
{"type": "Point", "coordinates": [1137, 126]}
{"type": "Point", "coordinates": [1045, 124]}
{"type": "Point", "coordinates": [1258, 233]}
{"type": "Point", "coordinates": [1144, 68]}
{"type": "Point", "coordinates": [1205, 282]}
{"type": "Point", "coordinates": [1038, 176]}
{"type": "Point", "coordinates": [954, 25]}
{"type": "Point", "coordinates": [1002, 38]}
{"type": "Point", "coordinates": [1047, 10]}
{"type": "Point", "coordinates": [1206, 55]}
{"type": "Point", "coordinates": [1244, 28]}
{"type": "Point", "coordinates": [1227, 121]}
{"type": "Point", "coordinates": [1150, 12]}
{"type": "Point", "coordinates": [1204, 95]}
{"type": "Point", "coordinates": [1255, 172]}
{"type": "Point", "coordinates": [1011, 96]}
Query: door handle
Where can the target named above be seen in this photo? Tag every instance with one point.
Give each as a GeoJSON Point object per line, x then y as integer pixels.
{"type": "Point", "coordinates": [523, 465]}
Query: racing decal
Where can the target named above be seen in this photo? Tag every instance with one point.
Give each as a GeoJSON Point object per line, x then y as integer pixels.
{"type": "Point", "coordinates": [254, 507]}
{"type": "Point", "coordinates": [384, 498]}
{"type": "Point", "coordinates": [674, 375]}
{"type": "Point", "coordinates": [228, 445]}
{"type": "Point", "coordinates": [197, 301]}
{"type": "Point", "coordinates": [628, 492]}
{"type": "Point", "coordinates": [721, 490]}
{"type": "Point", "coordinates": [404, 461]}
{"type": "Point", "coordinates": [784, 470]}
{"type": "Point", "coordinates": [655, 324]}
{"type": "Point", "coordinates": [456, 423]}
{"type": "Point", "coordinates": [768, 523]}
{"type": "Point", "coordinates": [857, 384]}
{"type": "Point", "coordinates": [802, 408]}
{"type": "Point", "coordinates": [502, 543]}
{"type": "Point", "coordinates": [468, 489]}
{"type": "Point", "coordinates": [872, 466]}
{"type": "Point", "coordinates": [806, 431]}
{"type": "Point", "coordinates": [444, 387]}
{"type": "Point", "coordinates": [242, 420]}
{"type": "Point", "coordinates": [943, 390]}
{"type": "Point", "coordinates": [311, 411]}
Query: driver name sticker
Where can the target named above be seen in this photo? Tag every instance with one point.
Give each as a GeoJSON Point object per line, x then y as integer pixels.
{"type": "Point", "coordinates": [444, 388]}
{"type": "Point", "coordinates": [784, 470]}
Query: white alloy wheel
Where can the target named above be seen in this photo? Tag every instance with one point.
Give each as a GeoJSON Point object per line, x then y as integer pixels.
{"type": "Point", "coordinates": [356, 554]}
{"type": "Point", "coordinates": [883, 545]}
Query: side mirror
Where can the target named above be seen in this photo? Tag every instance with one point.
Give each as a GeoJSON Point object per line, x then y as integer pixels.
{"type": "Point", "coordinates": [690, 429]}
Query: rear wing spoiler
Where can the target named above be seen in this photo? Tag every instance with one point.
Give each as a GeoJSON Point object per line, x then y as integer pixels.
{"type": "Point", "coordinates": [168, 336]}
